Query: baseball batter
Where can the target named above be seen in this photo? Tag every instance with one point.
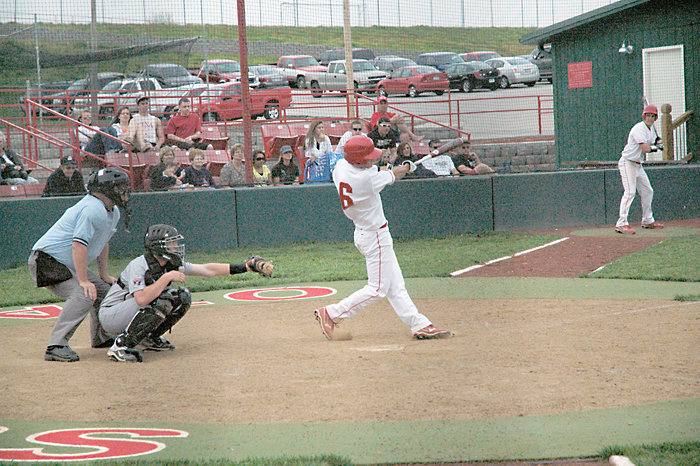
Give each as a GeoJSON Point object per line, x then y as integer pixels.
{"type": "Point", "coordinates": [359, 183]}
{"type": "Point", "coordinates": [140, 307]}
{"type": "Point", "coordinates": [640, 142]}
{"type": "Point", "coordinates": [60, 259]}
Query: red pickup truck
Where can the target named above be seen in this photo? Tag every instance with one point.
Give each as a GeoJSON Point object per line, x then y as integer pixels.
{"type": "Point", "coordinates": [223, 102]}
{"type": "Point", "coordinates": [222, 71]}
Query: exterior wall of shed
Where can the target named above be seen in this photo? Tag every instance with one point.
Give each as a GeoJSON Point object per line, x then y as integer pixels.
{"type": "Point", "coordinates": [593, 123]}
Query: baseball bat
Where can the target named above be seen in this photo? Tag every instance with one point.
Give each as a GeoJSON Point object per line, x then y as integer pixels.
{"type": "Point", "coordinates": [442, 149]}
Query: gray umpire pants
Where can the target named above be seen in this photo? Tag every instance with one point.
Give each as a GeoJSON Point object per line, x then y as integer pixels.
{"type": "Point", "coordinates": [75, 309]}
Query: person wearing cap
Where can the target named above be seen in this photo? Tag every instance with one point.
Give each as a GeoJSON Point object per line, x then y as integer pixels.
{"type": "Point", "coordinates": [642, 139]}
{"type": "Point", "coordinates": [66, 180]}
{"type": "Point", "coordinates": [385, 138]}
{"type": "Point", "coordinates": [397, 121]}
{"type": "Point", "coordinates": [145, 130]}
{"type": "Point", "coordinates": [285, 171]}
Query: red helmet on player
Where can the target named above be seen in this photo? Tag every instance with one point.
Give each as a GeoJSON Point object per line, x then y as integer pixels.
{"type": "Point", "coordinates": [360, 149]}
{"type": "Point", "coordinates": [650, 109]}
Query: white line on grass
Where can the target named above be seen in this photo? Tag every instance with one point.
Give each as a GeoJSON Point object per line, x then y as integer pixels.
{"type": "Point", "coordinates": [493, 261]}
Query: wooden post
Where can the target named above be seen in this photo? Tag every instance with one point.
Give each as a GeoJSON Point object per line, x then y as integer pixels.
{"type": "Point", "coordinates": [347, 36]}
{"type": "Point", "coordinates": [667, 132]}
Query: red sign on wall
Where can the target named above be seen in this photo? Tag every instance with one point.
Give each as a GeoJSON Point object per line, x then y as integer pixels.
{"type": "Point", "coordinates": [580, 74]}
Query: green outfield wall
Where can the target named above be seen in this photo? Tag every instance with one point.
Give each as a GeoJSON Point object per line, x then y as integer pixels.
{"type": "Point", "coordinates": [229, 218]}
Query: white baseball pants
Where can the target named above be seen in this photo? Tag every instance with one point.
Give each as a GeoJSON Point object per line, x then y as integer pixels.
{"type": "Point", "coordinates": [634, 179]}
{"type": "Point", "coordinates": [384, 280]}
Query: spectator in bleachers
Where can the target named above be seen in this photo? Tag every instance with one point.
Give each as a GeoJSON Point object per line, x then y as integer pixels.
{"type": "Point", "coordinates": [441, 165]}
{"type": "Point", "coordinates": [397, 121]}
{"type": "Point", "coordinates": [385, 138]}
{"type": "Point", "coordinates": [356, 128]}
{"type": "Point", "coordinates": [119, 128]}
{"type": "Point", "coordinates": [66, 180]}
{"type": "Point", "coordinates": [167, 179]}
{"type": "Point", "coordinates": [197, 175]}
{"type": "Point", "coordinates": [286, 171]}
{"type": "Point", "coordinates": [261, 172]}
{"type": "Point", "coordinates": [404, 153]}
{"type": "Point", "coordinates": [86, 133]}
{"type": "Point", "coordinates": [468, 162]}
{"type": "Point", "coordinates": [167, 156]}
{"type": "Point", "coordinates": [11, 169]}
{"type": "Point", "coordinates": [318, 145]}
{"type": "Point", "coordinates": [184, 130]}
{"type": "Point", "coordinates": [145, 130]}
{"type": "Point", "coordinates": [233, 173]}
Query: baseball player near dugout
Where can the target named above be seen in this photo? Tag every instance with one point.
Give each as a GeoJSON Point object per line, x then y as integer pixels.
{"type": "Point", "coordinates": [60, 259]}
{"type": "Point", "coordinates": [640, 142]}
{"type": "Point", "coordinates": [359, 183]}
{"type": "Point", "coordinates": [141, 306]}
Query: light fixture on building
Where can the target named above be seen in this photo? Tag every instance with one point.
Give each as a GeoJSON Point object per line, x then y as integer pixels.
{"type": "Point", "coordinates": [626, 48]}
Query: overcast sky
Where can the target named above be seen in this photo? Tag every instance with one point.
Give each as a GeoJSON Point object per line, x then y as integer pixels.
{"type": "Point", "coordinates": [448, 13]}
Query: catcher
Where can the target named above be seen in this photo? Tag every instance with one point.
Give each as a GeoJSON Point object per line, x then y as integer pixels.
{"type": "Point", "coordinates": [140, 307]}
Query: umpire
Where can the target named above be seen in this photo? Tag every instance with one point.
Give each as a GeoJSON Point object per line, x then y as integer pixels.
{"type": "Point", "coordinates": [60, 259]}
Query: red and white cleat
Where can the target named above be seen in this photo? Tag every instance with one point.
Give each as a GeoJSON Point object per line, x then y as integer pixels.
{"type": "Point", "coordinates": [327, 324]}
{"type": "Point", "coordinates": [430, 332]}
{"type": "Point", "coordinates": [652, 225]}
{"type": "Point", "coordinates": [625, 230]}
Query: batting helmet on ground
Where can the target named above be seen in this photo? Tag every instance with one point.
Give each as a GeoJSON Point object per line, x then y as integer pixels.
{"type": "Point", "coordinates": [650, 109]}
{"type": "Point", "coordinates": [165, 241]}
{"type": "Point", "coordinates": [360, 149]}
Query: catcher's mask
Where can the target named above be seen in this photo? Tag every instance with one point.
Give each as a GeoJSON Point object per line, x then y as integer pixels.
{"type": "Point", "coordinates": [115, 185]}
{"type": "Point", "coordinates": [164, 241]}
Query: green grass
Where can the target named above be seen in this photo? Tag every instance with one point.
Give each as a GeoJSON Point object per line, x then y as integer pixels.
{"type": "Point", "coordinates": [664, 454]}
{"type": "Point", "coordinates": [674, 259]}
{"type": "Point", "coordinates": [321, 460]}
{"type": "Point", "coordinates": [310, 262]}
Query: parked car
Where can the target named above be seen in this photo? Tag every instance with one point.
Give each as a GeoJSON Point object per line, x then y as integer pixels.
{"type": "Point", "coordinates": [223, 102]}
{"type": "Point", "coordinates": [412, 80]}
{"type": "Point", "coordinates": [365, 77]}
{"type": "Point", "coordinates": [472, 75]}
{"type": "Point", "coordinates": [169, 74]}
{"type": "Point", "coordinates": [295, 67]}
{"type": "Point", "coordinates": [439, 60]}
{"type": "Point", "coordinates": [542, 57]}
{"type": "Point", "coordinates": [63, 102]}
{"type": "Point", "coordinates": [269, 76]}
{"type": "Point", "coordinates": [223, 71]}
{"type": "Point", "coordinates": [339, 54]}
{"type": "Point", "coordinates": [391, 63]}
{"type": "Point", "coordinates": [479, 56]}
{"type": "Point", "coordinates": [515, 70]}
{"type": "Point", "coordinates": [43, 94]}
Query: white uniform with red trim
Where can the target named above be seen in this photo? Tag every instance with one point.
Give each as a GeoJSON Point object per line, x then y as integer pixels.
{"type": "Point", "coordinates": [359, 190]}
{"type": "Point", "coordinates": [634, 178]}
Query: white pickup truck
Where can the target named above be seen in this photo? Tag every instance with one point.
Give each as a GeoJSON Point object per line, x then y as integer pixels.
{"type": "Point", "coordinates": [365, 77]}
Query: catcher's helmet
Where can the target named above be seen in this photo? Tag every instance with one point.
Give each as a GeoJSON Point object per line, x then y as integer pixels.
{"type": "Point", "coordinates": [113, 183]}
{"type": "Point", "coordinates": [650, 109]}
{"type": "Point", "coordinates": [360, 149]}
{"type": "Point", "coordinates": [164, 241]}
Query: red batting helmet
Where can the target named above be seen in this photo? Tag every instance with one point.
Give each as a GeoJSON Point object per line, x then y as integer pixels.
{"type": "Point", "coordinates": [360, 149]}
{"type": "Point", "coordinates": [650, 109]}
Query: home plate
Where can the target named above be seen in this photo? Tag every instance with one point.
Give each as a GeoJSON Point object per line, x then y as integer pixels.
{"type": "Point", "coordinates": [376, 349]}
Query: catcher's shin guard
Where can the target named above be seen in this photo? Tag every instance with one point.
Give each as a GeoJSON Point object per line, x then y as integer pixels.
{"type": "Point", "coordinates": [144, 322]}
{"type": "Point", "coordinates": [181, 300]}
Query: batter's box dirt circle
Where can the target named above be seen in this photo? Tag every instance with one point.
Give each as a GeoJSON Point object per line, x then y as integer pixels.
{"type": "Point", "coordinates": [284, 293]}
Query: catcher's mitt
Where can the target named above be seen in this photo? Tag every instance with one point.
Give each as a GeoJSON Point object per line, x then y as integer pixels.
{"type": "Point", "coordinates": [263, 266]}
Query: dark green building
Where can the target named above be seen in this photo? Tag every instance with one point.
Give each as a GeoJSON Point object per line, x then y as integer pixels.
{"type": "Point", "coordinates": [610, 61]}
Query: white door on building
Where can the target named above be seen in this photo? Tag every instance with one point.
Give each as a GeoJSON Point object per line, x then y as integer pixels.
{"type": "Point", "coordinates": [664, 83]}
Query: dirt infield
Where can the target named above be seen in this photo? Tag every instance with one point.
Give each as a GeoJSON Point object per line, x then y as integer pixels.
{"type": "Point", "coordinates": [269, 363]}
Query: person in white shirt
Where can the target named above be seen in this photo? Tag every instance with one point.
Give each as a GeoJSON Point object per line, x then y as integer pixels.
{"type": "Point", "coordinates": [356, 128]}
{"type": "Point", "coordinates": [359, 183]}
{"type": "Point", "coordinates": [145, 130]}
{"type": "Point", "coordinates": [640, 142]}
{"type": "Point", "coordinates": [85, 133]}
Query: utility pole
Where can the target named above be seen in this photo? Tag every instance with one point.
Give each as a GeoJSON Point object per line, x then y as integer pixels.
{"type": "Point", "coordinates": [93, 63]}
{"type": "Point", "coordinates": [347, 37]}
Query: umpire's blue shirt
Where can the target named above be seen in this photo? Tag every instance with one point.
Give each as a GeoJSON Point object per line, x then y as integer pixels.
{"type": "Point", "coordinates": [88, 222]}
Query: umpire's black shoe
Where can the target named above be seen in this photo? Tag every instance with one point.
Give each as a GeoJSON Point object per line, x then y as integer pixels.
{"type": "Point", "coordinates": [61, 353]}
